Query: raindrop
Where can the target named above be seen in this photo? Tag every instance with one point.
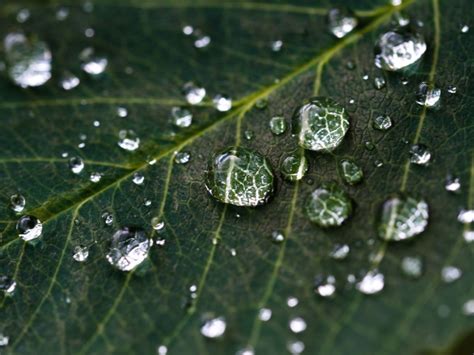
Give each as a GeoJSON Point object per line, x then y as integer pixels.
{"type": "Point", "coordinates": [81, 253]}
{"type": "Point", "coordinates": [427, 96]}
{"type": "Point", "coordinates": [297, 325]}
{"type": "Point", "coordinates": [371, 283]}
{"type": "Point", "coordinates": [325, 286]}
{"type": "Point", "coordinates": [89, 32]}
{"type": "Point", "coordinates": [69, 81]}
{"type": "Point", "coordinates": [157, 224]}
{"type": "Point", "coordinates": [4, 340]}
{"type": "Point", "coordinates": [181, 117]}
{"type": "Point", "coordinates": [122, 112]}
{"type": "Point", "coordinates": [468, 236]}
{"type": "Point", "coordinates": [95, 177]}
{"type": "Point", "coordinates": [295, 347]}
{"type": "Point", "coordinates": [378, 163]}
{"type": "Point", "coordinates": [28, 61]}
{"type": "Point", "coordinates": [402, 217]}
{"type": "Point", "coordinates": [62, 13]}
{"type": "Point", "coordinates": [248, 135]}
{"type": "Point", "coordinates": [7, 285]}
{"type": "Point", "coordinates": [452, 89]}
{"type": "Point", "coordinates": [397, 50]}
{"type": "Point", "coordinates": [276, 45]}
{"type": "Point", "coordinates": [193, 93]}
{"type": "Point", "coordinates": [292, 302]}
{"type": "Point", "coordinates": [450, 273]}
{"type": "Point", "coordinates": [128, 140]}
{"type": "Point", "coordinates": [466, 216]}
{"type": "Point", "coordinates": [138, 178]}
{"type": "Point", "coordinates": [188, 30]}
{"type": "Point", "coordinates": [468, 308]}
{"type": "Point", "coordinates": [465, 29]}
{"type": "Point", "coordinates": [412, 266]}
{"type": "Point", "coordinates": [265, 314]}
{"type": "Point", "coordinates": [182, 157]}
{"type": "Point", "coordinates": [379, 82]}
{"type": "Point", "coordinates": [420, 154]}
{"type": "Point", "coordinates": [108, 218]}
{"type": "Point", "coordinates": [29, 228]}
{"type": "Point", "coordinates": [162, 350]}
{"type": "Point", "coordinates": [23, 15]}
{"type": "Point", "coordinates": [328, 205]}
{"type": "Point", "coordinates": [351, 172]}
{"type": "Point", "coordinates": [340, 251]}
{"type": "Point", "coordinates": [17, 202]}
{"type": "Point", "coordinates": [278, 237]}
{"type": "Point", "coordinates": [452, 183]}
{"type": "Point", "coordinates": [202, 40]}
{"type": "Point", "coordinates": [222, 103]}
{"type": "Point", "coordinates": [240, 176]}
{"type": "Point", "coordinates": [294, 167]}
{"type": "Point", "coordinates": [91, 63]}
{"type": "Point", "coordinates": [382, 123]}
{"type": "Point", "coordinates": [129, 248]}
{"type": "Point", "coordinates": [320, 124]}
{"type": "Point", "coordinates": [214, 327]}
{"type": "Point", "coordinates": [278, 125]}
{"type": "Point", "coordinates": [341, 22]}
{"type": "Point", "coordinates": [246, 351]}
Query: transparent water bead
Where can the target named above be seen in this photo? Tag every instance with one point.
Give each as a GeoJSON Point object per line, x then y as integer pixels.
{"type": "Point", "coordinates": [295, 347]}
{"type": "Point", "coordinates": [91, 63]}
{"type": "Point", "coordinates": [412, 266]}
{"type": "Point", "coordinates": [341, 22]}
{"type": "Point", "coordinates": [402, 217]}
{"type": "Point", "coordinates": [450, 273]}
{"type": "Point", "coordinates": [340, 251]}
{"type": "Point", "coordinates": [128, 140]}
{"type": "Point", "coordinates": [320, 124]}
{"type": "Point", "coordinates": [398, 49]}
{"type": "Point", "coordinates": [452, 184]}
{"type": "Point", "coordinates": [4, 340]}
{"type": "Point", "coordinates": [278, 237]}
{"type": "Point", "coordinates": [297, 325]}
{"type": "Point", "coordinates": [240, 176]}
{"type": "Point", "coordinates": [294, 167]}
{"type": "Point", "coordinates": [81, 253]}
{"type": "Point", "coordinates": [157, 224]}
{"type": "Point", "coordinates": [162, 350]}
{"type": "Point", "coordinates": [214, 327]}
{"type": "Point", "coordinates": [194, 93]}
{"type": "Point", "coordinates": [379, 82]}
{"type": "Point", "coordinates": [468, 308]}
{"type": "Point", "coordinates": [265, 314]}
{"type": "Point", "coordinates": [452, 89]}
{"type": "Point", "coordinates": [420, 154]}
{"type": "Point", "coordinates": [23, 15]}
{"type": "Point", "coordinates": [351, 172]}
{"type": "Point", "coordinates": [428, 95]}
{"type": "Point", "coordinates": [372, 283]}
{"type": "Point", "coordinates": [28, 61]}
{"type": "Point", "coordinates": [382, 123]}
{"type": "Point", "coordinates": [95, 177]}
{"type": "Point", "coordinates": [76, 165]}
{"type": "Point", "coordinates": [138, 178]}
{"type": "Point", "coordinates": [202, 40]}
{"type": "Point", "coordinates": [29, 228]}
{"type": "Point", "coordinates": [7, 285]}
{"type": "Point", "coordinates": [17, 202]}
{"type": "Point", "coordinates": [292, 302]}
{"type": "Point", "coordinates": [69, 81]}
{"type": "Point", "coordinates": [277, 125]}
{"type": "Point", "coordinates": [181, 117]}
{"type": "Point", "coordinates": [108, 218]}
{"type": "Point", "coordinates": [325, 286]}
{"type": "Point", "coordinates": [328, 205]}
{"type": "Point", "coordinates": [182, 157]}
{"type": "Point", "coordinates": [222, 103]}
{"type": "Point", "coordinates": [129, 247]}
{"type": "Point", "coordinates": [122, 112]}
{"type": "Point", "coordinates": [276, 46]}
{"type": "Point", "coordinates": [466, 216]}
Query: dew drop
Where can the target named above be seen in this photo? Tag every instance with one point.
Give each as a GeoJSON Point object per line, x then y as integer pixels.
{"type": "Point", "coordinates": [28, 61]}
{"type": "Point", "coordinates": [428, 96]}
{"type": "Point", "coordinates": [248, 135]}
{"type": "Point", "coordinates": [420, 154]}
{"type": "Point", "coordinates": [466, 216]}
{"type": "Point", "coordinates": [276, 45]}
{"type": "Point", "coordinates": [278, 125]}
{"type": "Point", "coordinates": [7, 285]}
{"type": "Point", "coordinates": [128, 140]}
{"type": "Point", "coordinates": [181, 117]}
{"type": "Point", "coordinates": [95, 177]}
{"type": "Point", "coordinates": [246, 351]}
{"type": "Point", "coordinates": [202, 40]}
{"type": "Point", "coordinates": [240, 176]}
{"type": "Point", "coordinates": [157, 224]}
{"type": "Point", "coordinates": [351, 172]}
{"type": "Point", "coordinates": [214, 327]}
{"type": "Point", "coordinates": [261, 104]}
{"type": "Point", "coordinates": [412, 266]}
{"type": "Point", "coordinates": [341, 22]}
{"type": "Point", "coordinates": [4, 340]}
{"type": "Point", "coordinates": [62, 13]}
{"type": "Point", "coordinates": [138, 178]}
{"type": "Point", "coordinates": [452, 184]}
{"type": "Point", "coordinates": [29, 228]}
{"type": "Point", "coordinates": [294, 167]}
{"type": "Point", "coordinates": [320, 124]}
{"type": "Point", "coordinates": [325, 286]}
{"type": "Point", "coordinates": [69, 81]}
{"type": "Point", "coordinates": [382, 123]}
{"type": "Point", "coordinates": [468, 236]}
{"type": "Point", "coordinates": [297, 325]}
{"type": "Point", "coordinates": [278, 237]}
{"type": "Point", "coordinates": [452, 89]}
{"type": "Point", "coordinates": [129, 248]}
{"type": "Point", "coordinates": [188, 30]}
{"type": "Point", "coordinates": [194, 93]}
{"type": "Point", "coordinates": [108, 218]}
{"type": "Point", "coordinates": [222, 103]}
{"type": "Point", "coordinates": [265, 314]}
{"type": "Point", "coordinates": [369, 145]}
{"type": "Point", "coordinates": [450, 273]}
{"type": "Point", "coordinates": [292, 302]}
{"type": "Point", "coordinates": [182, 157]}
{"type": "Point", "coordinates": [340, 251]}
{"type": "Point", "coordinates": [92, 64]}
{"type": "Point", "coordinates": [81, 253]}
{"type": "Point", "coordinates": [397, 50]}
{"type": "Point", "coordinates": [371, 283]}
{"type": "Point", "coordinates": [402, 217]}
{"type": "Point", "coordinates": [379, 83]}
{"type": "Point", "coordinates": [468, 308]}
{"type": "Point", "coordinates": [122, 112]}
{"type": "Point", "coordinates": [295, 347]}
{"type": "Point", "coordinates": [17, 202]}
{"type": "Point", "coordinates": [328, 205]}
{"type": "Point", "coordinates": [465, 29]}
{"type": "Point", "coordinates": [23, 15]}
{"type": "Point", "coordinates": [162, 350]}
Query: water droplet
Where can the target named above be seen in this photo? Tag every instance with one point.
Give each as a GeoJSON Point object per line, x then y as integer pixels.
{"type": "Point", "coordinates": [466, 216]}
{"type": "Point", "coordinates": [122, 112]}
{"type": "Point", "coordinates": [276, 45]}
{"type": "Point", "coordinates": [81, 253]}
{"type": "Point", "coordinates": [69, 81]}
{"type": "Point", "coordinates": [4, 340]}
{"type": "Point", "coordinates": [420, 154]}
{"type": "Point", "coordinates": [350, 65]}
{"type": "Point", "coordinates": [89, 32]}
{"type": "Point", "coordinates": [397, 50]}
{"type": "Point", "coordinates": [181, 117]}
{"type": "Point", "coordinates": [222, 103]}
{"type": "Point", "coordinates": [23, 15]}
{"type": "Point", "coordinates": [248, 135]}
{"type": "Point", "coordinates": [146, 202]}
{"type": "Point", "coordinates": [128, 140]}
{"type": "Point", "coordinates": [278, 237]}
{"type": "Point", "coordinates": [157, 224]}
{"type": "Point", "coordinates": [214, 327]}
{"type": "Point", "coordinates": [92, 64]}
{"type": "Point", "coordinates": [28, 61]}
{"type": "Point", "coordinates": [340, 251]}
{"type": "Point", "coordinates": [452, 89]}
{"type": "Point", "coordinates": [328, 205]}
{"type": "Point", "coordinates": [351, 172]}
{"type": "Point", "coordinates": [162, 350]}
{"type": "Point", "coordinates": [402, 217]}
{"type": "Point", "coordinates": [182, 157]}
{"type": "Point", "coordinates": [62, 13]}
{"type": "Point", "coordinates": [382, 123]}
{"type": "Point", "coordinates": [95, 177]}
{"type": "Point", "coordinates": [371, 283]}
{"type": "Point", "coordinates": [468, 308]}
{"type": "Point", "coordinates": [325, 286]}
{"type": "Point", "coordinates": [412, 266]}
{"type": "Point", "coordinates": [297, 325]}
{"type": "Point", "coordinates": [427, 96]}
{"type": "Point", "coordinates": [29, 228]}
{"type": "Point", "coordinates": [321, 124]}
{"type": "Point", "coordinates": [7, 285]}
{"type": "Point", "coordinates": [465, 29]}
{"type": "Point", "coordinates": [341, 22]}
{"type": "Point", "coordinates": [129, 248]}
{"type": "Point", "coordinates": [193, 93]}
{"type": "Point", "coordinates": [261, 104]}
{"type": "Point", "coordinates": [378, 163]}
{"type": "Point", "coordinates": [369, 145]}
{"type": "Point", "coordinates": [401, 19]}
{"type": "Point", "coordinates": [240, 177]}
{"type": "Point", "coordinates": [294, 167]}
{"type": "Point", "coordinates": [248, 350]}
{"type": "Point", "coordinates": [17, 202]}
{"type": "Point", "coordinates": [379, 82]}
{"type": "Point", "coordinates": [278, 125]}
{"type": "Point", "coordinates": [450, 273]}
{"type": "Point", "coordinates": [202, 40]}
{"type": "Point", "coordinates": [295, 347]}
{"type": "Point", "coordinates": [108, 218]}
{"type": "Point", "coordinates": [292, 302]}
{"type": "Point", "coordinates": [138, 178]}
{"type": "Point", "coordinates": [265, 314]}
{"type": "Point", "coordinates": [452, 184]}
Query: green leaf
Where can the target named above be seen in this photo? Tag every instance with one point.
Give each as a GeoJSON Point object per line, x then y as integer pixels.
{"type": "Point", "coordinates": [62, 306]}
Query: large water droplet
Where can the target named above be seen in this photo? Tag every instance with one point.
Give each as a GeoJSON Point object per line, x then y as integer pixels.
{"type": "Point", "coordinates": [81, 253]}
{"type": "Point", "coordinates": [76, 165]}
{"type": "Point", "coordinates": [278, 125]}
{"type": "Point", "coordinates": [382, 123]}
{"type": "Point", "coordinates": [341, 22]}
{"type": "Point", "coordinates": [7, 285]}
{"type": "Point", "coordinates": [373, 282]}
{"type": "Point", "coordinates": [396, 50]}
{"type": "Point", "coordinates": [128, 140]}
{"type": "Point", "coordinates": [402, 217]}
{"type": "Point", "coordinates": [181, 117]}
{"type": "Point", "coordinates": [428, 95]}
{"type": "Point", "coordinates": [351, 172]}
{"type": "Point", "coordinates": [129, 248]}
{"type": "Point", "coordinates": [320, 124]}
{"type": "Point", "coordinates": [214, 327]}
{"type": "Point", "coordinates": [294, 167]}
{"type": "Point", "coordinates": [240, 177]}
{"type": "Point", "coordinates": [29, 227]}
{"type": "Point", "coordinates": [328, 205]}
{"type": "Point", "coordinates": [420, 154]}
{"type": "Point", "coordinates": [28, 61]}
{"type": "Point", "coordinates": [193, 93]}
{"type": "Point", "coordinates": [17, 202]}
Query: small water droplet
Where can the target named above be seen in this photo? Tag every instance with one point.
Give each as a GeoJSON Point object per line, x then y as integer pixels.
{"type": "Point", "coordinates": [365, 77]}
{"type": "Point", "coordinates": [69, 81]}
{"type": "Point", "coordinates": [261, 104]}
{"type": "Point", "coordinates": [138, 178]}
{"type": "Point", "coordinates": [202, 40]}
{"type": "Point", "coordinates": [295, 347]}
{"type": "Point", "coordinates": [29, 228]}
{"type": "Point", "coordinates": [194, 93]}
{"type": "Point", "coordinates": [452, 184]}
{"type": "Point", "coordinates": [378, 163]}
{"type": "Point", "coordinates": [122, 112]}
{"type": "Point", "coordinates": [62, 13]}
{"type": "Point", "coordinates": [294, 167]}
{"type": "Point", "coordinates": [372, 283]}
{"type": "Point", "coordinates": [214, 327]}
{"type": "Point", "coordinates": [340, 251]}
{"type": "Point", "coordinates": [182, 157]}
{"type": "Point", "coordinates": [420, 154]}
{"type": "Point", "coordinates": [4, 340]}
{"type": "Point", "coordinates": [222, 103]}
{"type": "Point", "coordinates": [89, 32]}
{"type": "Point", "coordinates": [276, 45]}
{"type": "Point", "coordinates": [188, 30]}
{"type": "Point", "coordinates": [278, 125]}
{"type": "Point", "coordinates": [23, 15]}
{"type": "Point", "coordinates": [297, 325]}
{"type": "Point", "coordinates": [162, 350]}
{"type": "Point", "coordinates": [292, 302]}
{"type": "Point", "coordinates": [128, 140]}
{"type": "Point", "coordinates": [92, 64]}
{"type": "Point", "coordinates": [412, 266]}
{"type": "Point", "coordinates": [108, 218]}
{"type": "Point", "coordinates": [466, 216]}
{"type": "Point", "coordinates": [248, 135]}
{"type": "Point", "coordinates": [351, 172]}
{"type": "Point", "coordinates": [452, 89]}
{"type": "Point", "coordinates": [278, 237]}
{"type": "Point", "coordinates": [401, 19]}
{"type": "Point", "coordinates": [328, 205]}
{"type": "Point", "coordinates": [369, 145]}
{"type": "Point", "coordinates": [450, 273]}
{"type": "Point", "coordinates": [427, 95]}
{"type": "Point", "coordinates": [341, 22]}
{"type": "Point", "coordinates": [468, 236]}
{"type": "Point", "coordinates": [379, 82]}
{"type": "Point", "coordinates": [465, 29]}
{"type": "Point", "coordinates": [129, 247]}
{"type": "Point", "coordinates": [350, 65]}
{"type": "Point", "coordinates": [81, 253]}
{"type": "Point", "coordinates": [17, 202]}
{"type": "Point", "coordinates": [7, 285]}
{"type": "Point", "coordinates": [157, 224]}
{"type": "Point", "coordinates": [95, 177]}
{"type": "Point", "coordinates": [468, 308]}
{"type": "Point", "coordinates": [382, 123]}
{"type": "Point", "coordinates": [265, 314]}
{"type": "Point", "coordinates": [181, 117]}
{"type": "Point", "coordinates": [248, 350]}
{"type": "Point", "coordinates": [325, 286]}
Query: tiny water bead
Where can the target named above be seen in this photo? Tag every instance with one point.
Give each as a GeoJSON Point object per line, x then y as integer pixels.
{"type": "Point", "coordinates": [182, 157]}
{"type": "Point", "coordinates": [138, 178]}
{"type": "Point", "coordinates": [91, 63]}
{"type": "Point", "coordinates": [181, 117]}
{"type": "Point", "coordinates": [428, 95]}
{"type": "Point", "coordinates": [295, 347]}
{"type": "Point", "coordinates": [341, 22]}
{"type": "Point", "coordinates": [108, 218]}
{"type": "Point", "coordinates": [222, 103]}
{"type": "Point", "coordinates": [466, 216]}
{"type": "Point", "coordinates": [246, 351]}
{"type": "Point", "coordinates": [76, 165]}
{"type": "Point", "coordinates": [379, 82]}
{"type": "Point", "coordinates": [420, 154]}
{"type": "Point", "coordinates": [128, 140]}
{"type": "Point", "coordinates": [129, 247]}
{"type": "Point", "coordinates": [382, 123]}
{"type": "Point", "coordinates": [4, 340]}
{"type": "Point", "coordinates": [248, 134]}
{"type": "Point", "coordinates": [122, 112]}
{"type": "Point", "coordinates": [372, 283]}
{"type": "Point", "coordinates": [28, 61]}
{"type": "Point", "coordinates": [29, 228]}
{"type": "Point", "coordinates": [157, 224]}
{"type": "Point", "coordinates": [69, 81]}
{"type": "Point", "coordinates": [95, 177]}
{"type": "Point", "coordinates": [240, 176]}
{"type": "Point", "coordinates": [292, 302]}
{"type": "Point", "coordinates": [278, 125]}
{"type": "Point", "coordinates": [450, 273]}
{"type": "Point", "coordinates": [398, 49]}
{"type": "Point", "coordinates": [265, 314]}
{"type": "Point", "coordinates": [328, 205]}
{"type": "Point", "coordinates": [194, 93]}
{"type": "Point", "coordinates": [351, 172]}
{"type": "Point", "coordinates": [320, 124]}
{"type": "Point", "coordinates": [297, 325]}
{"type": "Point", "coordinates": [7, 285]}
{"type": "Point", "coordinates": [325, 286]}
{"type": "Point", "coordinates": [278, 237]}
{"type": "Point", "coordinates": [261, 104]}
{"type": "Point", "coordinates": [17, 202]}
{"type": "Point", "coordinates": [452, 89]}
{"type": "Point", "coordinates": [402, 217]}
{"type": "Point", "coordinates": [276, 46]}
{"type": "Point", "coordinates": [412, 266]}
{"type": "Point", "coordinates": [214, 327]}
{"type": "Point", "coordinates": [340, 251]}
{"type": "Point", "coordinates": [81, 253]}
{"type": "Point", "coordinates": [294, 167]}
